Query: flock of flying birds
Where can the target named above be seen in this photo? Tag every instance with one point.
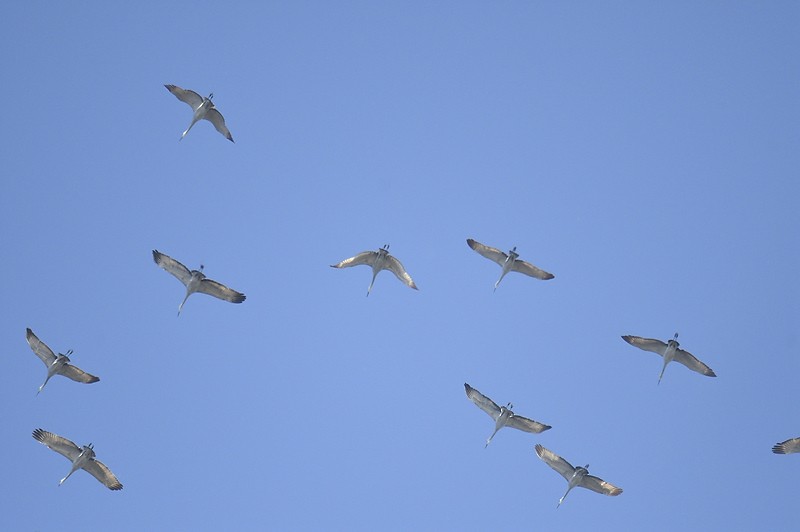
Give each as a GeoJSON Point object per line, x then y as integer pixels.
{"type": "Point", "coordinates": [503, 416]}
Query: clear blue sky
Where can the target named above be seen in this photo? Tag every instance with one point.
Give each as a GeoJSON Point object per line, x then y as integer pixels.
{"type": "Point", "coordinates": [646, 153]}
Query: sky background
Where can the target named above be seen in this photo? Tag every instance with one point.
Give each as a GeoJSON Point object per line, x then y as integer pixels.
{"type": "Point", "coordinates": [646, 153]}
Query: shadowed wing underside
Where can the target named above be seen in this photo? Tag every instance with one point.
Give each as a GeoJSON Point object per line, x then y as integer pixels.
{"type": "Point", "coordinates": [681, 355]}
{"type": "Point", "coordinates": [495, 255]}
{"type": "Point", "coordinates": [787, 447]}
{"type": "Point", "coordinates": [194, 101]}
{"type": "Point", "coordinates": [483, 402]}
{"type": "Point", "coordinates": [206, 286]}
{"type": "Point", "coordinates": [41, 350]}
{"type": "Point", "coordinates": [71, 451]}
{"type": "Point", "coordinates": [566, 470]}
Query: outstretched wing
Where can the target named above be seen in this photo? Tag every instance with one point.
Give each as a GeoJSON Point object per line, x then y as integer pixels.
{"type": "Point", "coordinates": [550, 458]}
{"type": "Point", "coordinates": [60, 445]}
{"type": "Point", "coordinates": [102, 473]}
{"type": "Point", "coordinates": [600, 486]}
{"type": "Point", "coordinates": [483, 402]}
{"type": "Point", "coordinates": [78, 375]}
{"type": "Point", "coordinates": [365, 257]}
{"type": "Point", "coordinates": [186, 96]}
{"type": "Point", "coordinates": [172, 266]}
{"type": "Point", "coordinates": [787, 447]}
{"type": "Point", "coordinates": [215, 117]}
{"type": "Point", "coordinates": [492, 254]}
{"type": "Point", "coordinates": [648, 344]}
{"type": "Point", "coordinates": [394, 266]}
{"type": "Point", "coordinates": [691, 362]}
{"type": "Point", "coordinates": [44, 353]}
{"type": "Point", "coordinates": [528, 425]}
{"type": "Point", "coordinates": [529, 269]}
{"type": "Point", "coordinates": [220, 291]}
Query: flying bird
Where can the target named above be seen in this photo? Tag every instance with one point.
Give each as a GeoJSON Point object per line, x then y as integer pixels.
{"type": "Point", "coordinates": [502, 415]}
{"type": "Point", "coordinates": [670, 351]}
{"type": "Point", "coordinates": [379, 260]}
{"type": "Point", "coordinates": [81, 458]}
{"type": "Point", "coordinates": [57, 364]}
{"type": "Point", "coordinates": [787, 447]}
{"type": "Point", "coordinates": [576, 476]}
{"type": "Point", "coordinates": [196, 281]}
{"type": "Point", "coordinates": [508, 262]}
{"type": "Point", "coordinates": [203, 108]}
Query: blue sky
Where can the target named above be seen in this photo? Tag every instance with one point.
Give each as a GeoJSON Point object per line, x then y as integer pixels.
{"type": "Point", "coordinates": [645, 153]}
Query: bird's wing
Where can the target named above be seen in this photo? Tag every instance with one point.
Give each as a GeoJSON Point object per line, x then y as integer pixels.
{"type": "Point", "coordinates": [172, 266]}
{"type": "Point", "coordinates": [60, 445]}
{"type": "Point", "coordinates": [102, 473]}
{"type": "Point", "coordinates": [215, 117]}
{"type": "Point", "coordinates": [691, 362]}
{"type": "Point", "coordinates": [556, 462]}
{"type": "Point", "coordinates": [187, 96]}
{"type": "Point", "coordinates": [648, 344]}
{"type": "Point", "coordinates": [218, 290]}
{"type": "Point", "coordinates": [483, 402]}
{"type": "Point", "coordinates": [77, 374]}
{"type": "Point", "coordinates": [365, 257]}
{"type": "Point", "coordinates": [528, 425]}
{"type": "Point", "coordinates": [600, 486]}
{"type": "Point", "coordinates": [396, 267]}
{"type": "Point", "coordinates": [44, 353]}
{"type": "Point", "coordinates": [492, 254]}
{"type": "Point", "coordinates": [787, 447]}
{"type": "Point", "coordinates": [529, 269]}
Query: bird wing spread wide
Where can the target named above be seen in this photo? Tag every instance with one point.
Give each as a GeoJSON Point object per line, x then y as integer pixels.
{"type": "Point", "coordinates": [44, 353]}
{"type": "Point", "coordinates": [57, 443]}
{"type": "Point", "coordinates": [172, 266]}
{"type": "Point", "coordinates": [189, 97]}
{"type": "Point", "coordinates": [550, 458]}
{"type": "Point", "coordinates": [600, 486]}
{"type": "Point", "coordinates": [218, 290]}
{"type": "Point", "coordinates": [648, 344]}
{"type": "Point", "coordinates": [490, 253]}
{"type": "Point", "coordinates": [529, 269]}
{"type": "Point", "coordinates": [483, 402]}
{"type": "Point", "coordinates": [102, 473]}
{"type": "Point", "coordinates": [691, 362]}
{"type": "Point", "coordinates": [365, 257]}
{"type": "Point", "coordinates": [787, 447]}
{"type": "Point", "coordinates": [528, 425]}
{"type": "Point", "coordinates": [77, 374]}
{"type": "Point", "coordinates": [396, 267]}
{"type": "Point", "coordinates": [215, 117]}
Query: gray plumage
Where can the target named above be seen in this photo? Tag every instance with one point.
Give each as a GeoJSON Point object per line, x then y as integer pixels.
{"type": "Point", "coordinates": [56, 364]}
{"type": "Point", "coordinates": [196, 281]}
{"type": "Point", "coordinates": [575, 476]}
{"type": "Point", "coordinates": [508, 262]}
{"type": "Point", "coordinates": [503, 416]}
{"type": "Point", "coordinates": [787, 447]}
{"type": "Point", "coordinates": [670, 351]}
{"type": "Point", "coordinates": [203, 108]}
{"type": "Point", "coordinates": [81, 458]}
{"type": "Point", "coordinates": [379, 260]}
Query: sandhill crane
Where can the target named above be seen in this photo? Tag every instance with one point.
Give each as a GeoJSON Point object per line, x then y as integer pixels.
{"type": "Point", "coordinates": [502, 415]}
{"type": "Point", "coordinates": [787, 447]}
{"type": "Point", "coordinates": [57, 364]}
{"type": "Point", "coordinates": [509, 262]}
{"type": "Point", "coordinates": [670, 351]}
{"type": "Point", "coordinates": [81, 458]}
{"type": "Point", "coordinates": [576, 476]}
{"type": "Point", "coordinates": [379, 260]}
{"type": "Point", "coordinates": [196, 281]}
{"type": "Point", "coordinates": [202, 107]}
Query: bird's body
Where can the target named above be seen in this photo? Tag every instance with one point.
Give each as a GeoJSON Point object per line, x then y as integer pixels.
{"type": "Point", "coordinates": [670, 351]}
{"type": "Point", "coordinates": [787, 447]}
{"type": "Point", "coordinates": [196, 281]}
{"type": "Point", "coordinates": [503, 416]}
{"type": "Point", "coordinates": [508, 262]}
{"type": "Point", "coordinates": [379, 260]}
{"type": "Point", "coordinates": [575, 476]}
{"type": "Point", "coordinates": [203, 108]}
{"type": "Point", "coordinates": [56, 364]}
{"type": "Point", "coordinates": [81, 458]}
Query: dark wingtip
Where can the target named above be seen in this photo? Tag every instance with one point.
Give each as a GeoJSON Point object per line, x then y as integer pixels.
{"type": "Point", "coordinates": [778, 449]}
{"type": "Point", "coordinates": [546, 427]}
{"type": "Point", "coordinates": [471, 243]}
